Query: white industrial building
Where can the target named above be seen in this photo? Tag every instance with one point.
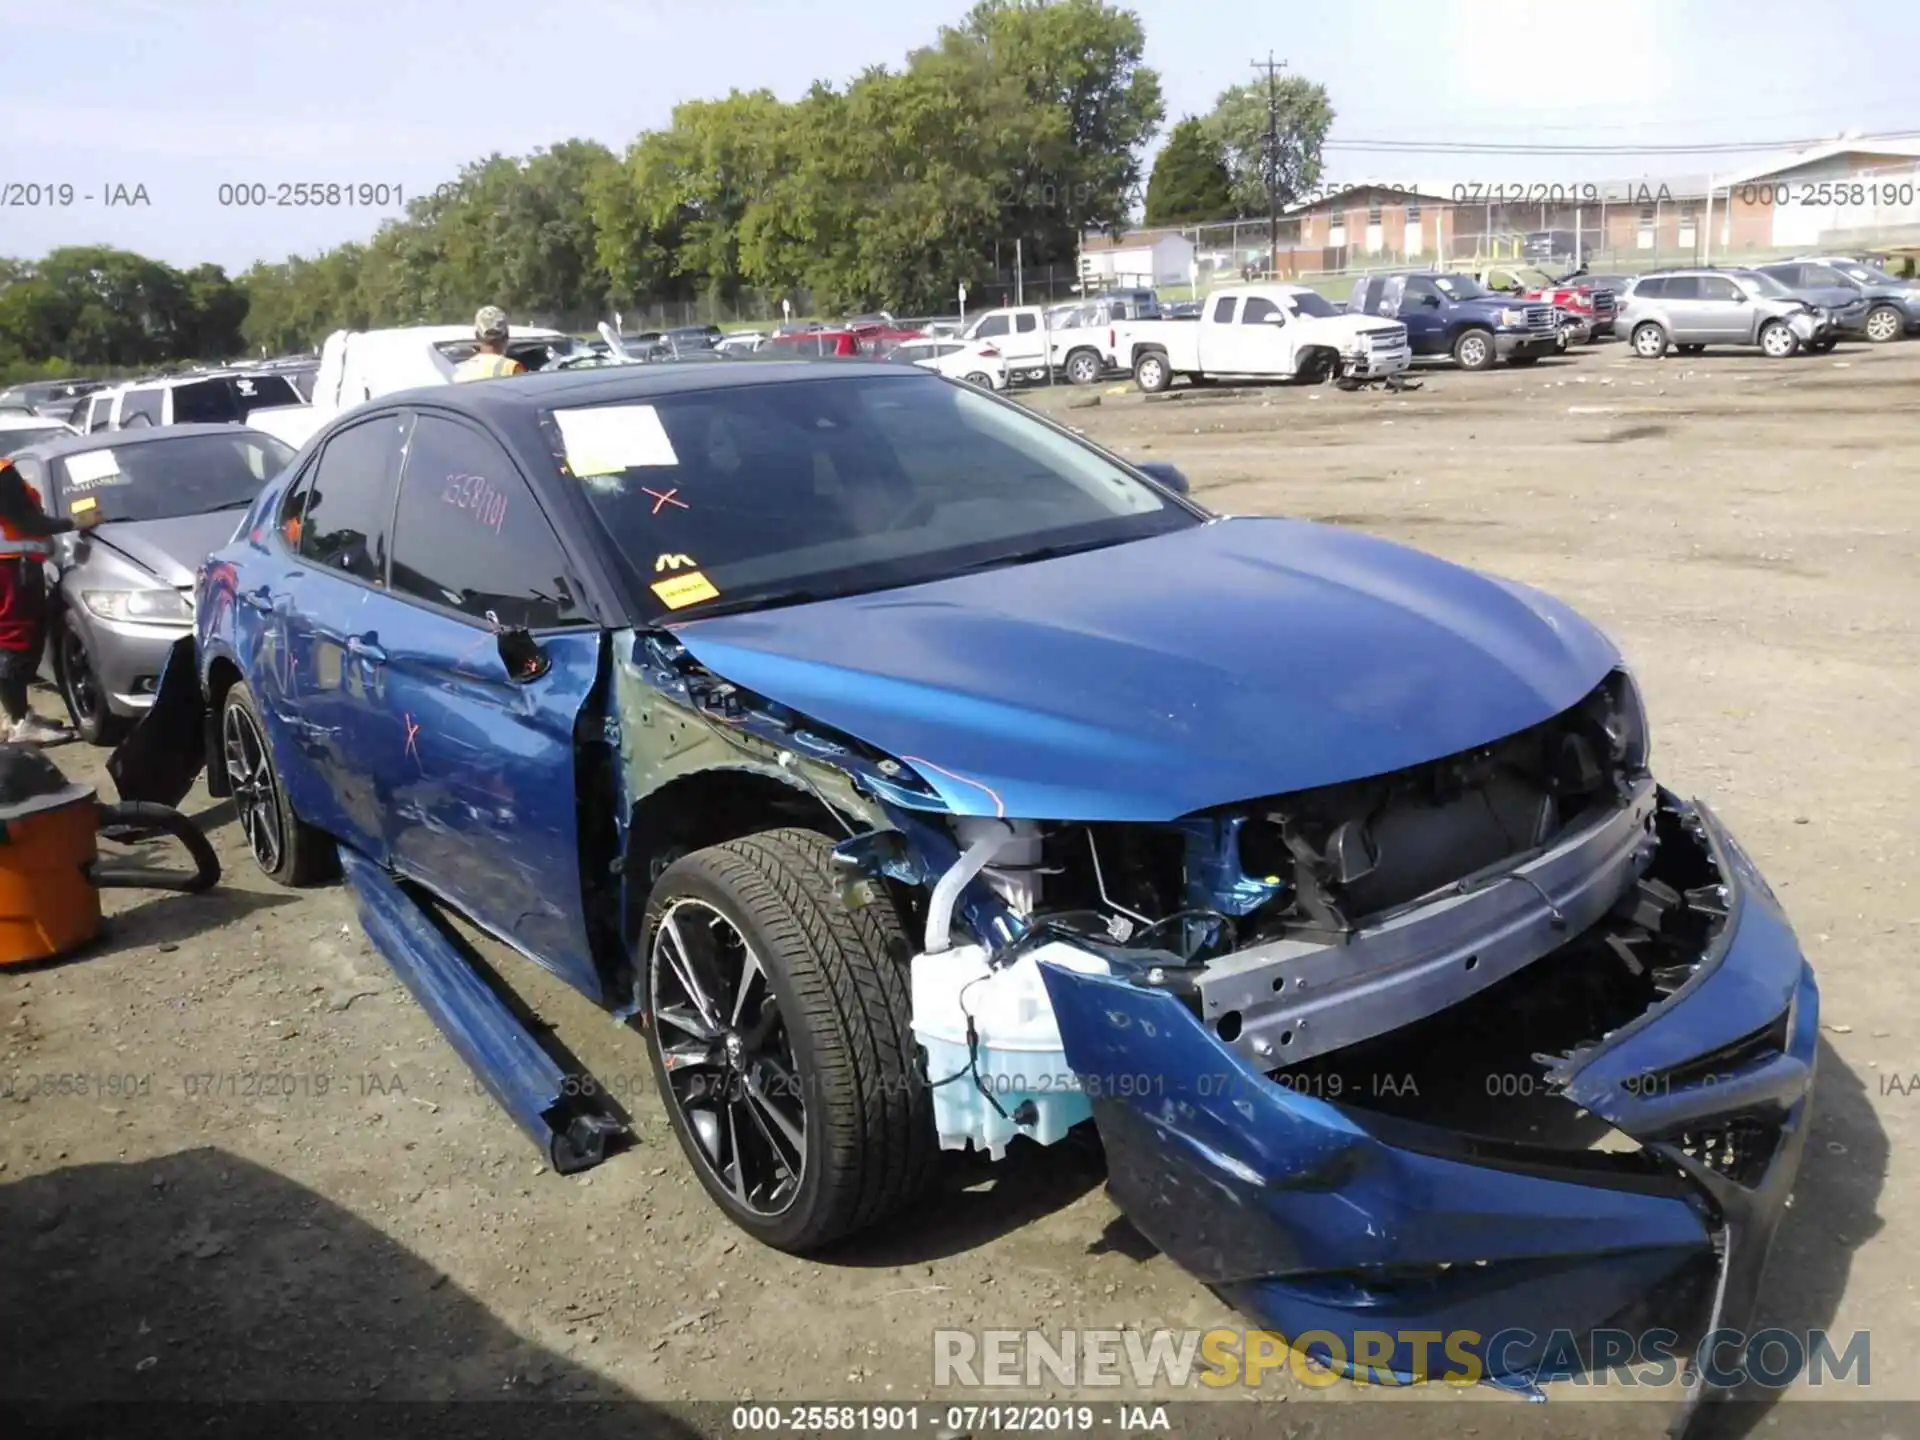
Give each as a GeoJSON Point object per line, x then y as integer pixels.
{"type": "Point", "coordinates": [1136, 258]}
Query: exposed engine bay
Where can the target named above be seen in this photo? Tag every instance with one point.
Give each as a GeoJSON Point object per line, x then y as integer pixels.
{"type": "Point", "coordinates": [1299, 926]}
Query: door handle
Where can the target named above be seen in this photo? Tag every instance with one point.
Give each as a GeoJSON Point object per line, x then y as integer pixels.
{"type": "Point", "coordinates": [364, 648]}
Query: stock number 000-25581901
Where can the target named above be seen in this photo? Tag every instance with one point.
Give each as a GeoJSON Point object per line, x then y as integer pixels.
{"type": "Point", "coordinates": [305, 194]}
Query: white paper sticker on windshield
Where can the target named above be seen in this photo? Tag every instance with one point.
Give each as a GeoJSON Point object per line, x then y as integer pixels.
{"type": "Point", "coordinates": [92, 467]}
{"type": "Point", "coordinates": [609, 439]}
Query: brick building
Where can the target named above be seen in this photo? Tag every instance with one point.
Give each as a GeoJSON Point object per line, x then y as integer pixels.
{"type": "Point", "coordinates": [1846, 194]}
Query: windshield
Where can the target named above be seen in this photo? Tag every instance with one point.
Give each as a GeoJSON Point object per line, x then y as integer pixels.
{"type": "Point", "coordinates": [158, 479]}
{"type": "Point", "coordinates": [749, 495]}
{"type": "Point", "coordinates": [1460, 287]}
{"type": "Point", "coordinates": [1308, 302]}
{"type": "Point", "coordinates": [1767, 284]}
{"type": "Point", "coordinates": [1868, 274]}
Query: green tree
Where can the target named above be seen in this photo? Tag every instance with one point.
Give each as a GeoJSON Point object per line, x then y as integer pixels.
{"type": "Point", "coordinates": [1074, 108]}
{"type": "Point", "coordinates": [1190, 180]}
{"type": "Point", "coordinates": [1238, 123]}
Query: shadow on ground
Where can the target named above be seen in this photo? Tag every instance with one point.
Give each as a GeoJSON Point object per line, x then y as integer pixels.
{"type": "Point", "coordinates": [202, 1294]}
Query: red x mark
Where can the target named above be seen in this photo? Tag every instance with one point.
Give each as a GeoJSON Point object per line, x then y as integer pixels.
{"type": "Point", "coordinates": [412, 730]}
{"type": "Point", "coordinates": [660, 499]}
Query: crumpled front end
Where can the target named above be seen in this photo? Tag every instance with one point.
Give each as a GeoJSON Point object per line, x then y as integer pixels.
{"type": "Point", "coordinates": [1602, 1141]}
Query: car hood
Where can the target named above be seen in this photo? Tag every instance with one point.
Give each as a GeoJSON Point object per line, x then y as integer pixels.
{"type": "Point", "coordinates": [1352, 327]}
{"type": "Point", "coordinates": [1233, 660]}
{"type": "Point", "coordinates": [172, 548]}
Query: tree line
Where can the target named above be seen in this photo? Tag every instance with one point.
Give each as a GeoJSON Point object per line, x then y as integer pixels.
{"type": "Point", "coordinates": [1024, 121]}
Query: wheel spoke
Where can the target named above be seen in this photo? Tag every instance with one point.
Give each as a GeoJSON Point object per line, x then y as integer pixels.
{"type": "Point", "coordinates": [675, 949]}
{"type": "Point", "coordinates": [763, 1104]}
{"type": "Point", "coordinates": [738, 1181]}
{"type": "Point", "coordinates": [750, 971]}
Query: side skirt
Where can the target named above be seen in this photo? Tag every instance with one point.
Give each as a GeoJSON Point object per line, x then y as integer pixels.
{"type": "Point", "coordinates": [556, 1108]}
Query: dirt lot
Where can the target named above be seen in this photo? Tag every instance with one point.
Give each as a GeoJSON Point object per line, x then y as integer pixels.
{"type": "Point", "coordinates": [291, 1189]}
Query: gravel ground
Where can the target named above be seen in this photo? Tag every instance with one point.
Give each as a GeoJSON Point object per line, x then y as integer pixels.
{"type": "Point", "coordinates": [280, 1182]}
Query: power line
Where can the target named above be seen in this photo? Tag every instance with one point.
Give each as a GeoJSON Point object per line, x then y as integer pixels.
{"type": "Point", "coordinates": [1725, 147]}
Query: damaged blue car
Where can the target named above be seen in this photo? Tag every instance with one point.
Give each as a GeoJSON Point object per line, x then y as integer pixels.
{"type": "Point", "coordinates": [915, 775]}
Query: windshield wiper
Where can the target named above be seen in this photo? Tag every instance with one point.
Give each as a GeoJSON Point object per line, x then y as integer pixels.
{"type": "Point", "coordinates": [1038, 552]}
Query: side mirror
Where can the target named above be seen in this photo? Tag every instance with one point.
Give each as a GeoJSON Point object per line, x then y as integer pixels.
{"type": "Point", "coordinates": [1432, 302]}
{"type": "Point", "coordinates": [1739, 297]}
{"type": "Point", "coordinates": [1167, 474]}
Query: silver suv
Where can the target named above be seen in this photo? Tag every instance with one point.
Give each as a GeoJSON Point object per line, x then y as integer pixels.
{"type": "Point", "coordinates": [1688, 310]}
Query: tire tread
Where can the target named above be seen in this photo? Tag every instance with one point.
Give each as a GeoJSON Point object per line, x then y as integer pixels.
{"type": "Point", "coordinates": [845, 969]}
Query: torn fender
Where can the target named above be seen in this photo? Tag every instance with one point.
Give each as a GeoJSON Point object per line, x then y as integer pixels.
{"type": "Point", "coordinates": [555, 1108]}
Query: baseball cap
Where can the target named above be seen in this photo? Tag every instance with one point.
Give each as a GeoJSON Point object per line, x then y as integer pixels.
{"type": "Point", "coordinates": [489, 322]}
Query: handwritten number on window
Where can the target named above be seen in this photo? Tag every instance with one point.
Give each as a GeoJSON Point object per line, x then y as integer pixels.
{"type": "Point", "coordinates": [473, 496]}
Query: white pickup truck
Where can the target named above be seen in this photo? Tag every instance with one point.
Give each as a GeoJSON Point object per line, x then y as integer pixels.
{"type": "Point", "coordinates": [361, 365]}
{"type": "Point", "coordinates": [1262, 332]}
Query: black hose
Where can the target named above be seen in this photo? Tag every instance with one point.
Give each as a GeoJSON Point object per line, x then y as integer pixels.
{"type": "Point", "coordinates": [132, 819]}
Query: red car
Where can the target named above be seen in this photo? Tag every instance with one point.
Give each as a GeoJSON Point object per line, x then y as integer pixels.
{"type": "Point", "coordinates": [1594, 304]}
{"type": "Point", "coordinates": [814, 342]}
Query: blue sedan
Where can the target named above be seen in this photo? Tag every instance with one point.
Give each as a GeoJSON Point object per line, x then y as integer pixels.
{"type": "Point", "coordinates": [915, 775]}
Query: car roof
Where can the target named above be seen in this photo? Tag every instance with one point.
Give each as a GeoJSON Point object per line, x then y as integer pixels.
{"type": "Point", "coordinates": [561, 389]}
{"type": "Point", "coordinates": [144, 435]}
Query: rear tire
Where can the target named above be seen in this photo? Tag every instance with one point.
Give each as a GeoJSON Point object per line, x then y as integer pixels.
{"type": "Point", "coordinates": [1885, 323]}
{"type": "Point", "coordinates": [284, 846]}
{"type": "Point", "coordinates": [1152, 373]}
{"type": "Point", "coordinates": [1649, 341]}
{"type": "Point", "coordinates": [980, 378]}
{"type": "Point", "coordinates": [1474, 350]}
{"type": "Point", "coordinates": [857, 1111]}
{"type": "Point", "coordinates": [1083, 367]}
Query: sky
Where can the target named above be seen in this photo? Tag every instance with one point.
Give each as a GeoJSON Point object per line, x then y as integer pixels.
{"type": "Point", "coordinates": [178, 97]}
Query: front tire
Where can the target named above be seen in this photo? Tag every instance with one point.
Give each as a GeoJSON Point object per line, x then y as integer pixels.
{"type": "Point", "coordinates": [1649, 341]}
{"type": "Point", "coordinates": [1474, 351]}
{"type": "Point", "coordinates": [1885, 323]}
{"type": "Point", "coordinates": [1777, 342]}
{"type": "Point", "coordinates": [284, 846]}
{"type": "Point", "coordinates": [779, 1023]}
{"type": "Point", "coordinates": [81, 690]}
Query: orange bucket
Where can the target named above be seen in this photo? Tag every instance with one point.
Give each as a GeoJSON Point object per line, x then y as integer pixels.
{"type": "Point", "coordinates": [51, 874]}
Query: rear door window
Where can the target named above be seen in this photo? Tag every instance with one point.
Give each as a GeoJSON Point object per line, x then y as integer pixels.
{"type": "Point", "coordinates": [205, 402]}
{"type": "Point", "coordinates": [348, 507]}
{"type": "Point", "coordinates": [141, 407]}
{"type": "Point", "coordinates": [1654, 289]}
{"type": "Point", "coordinates": [1682, 287]}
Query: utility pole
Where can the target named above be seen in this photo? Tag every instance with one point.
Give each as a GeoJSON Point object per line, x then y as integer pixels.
{"type": "Point", "coordinates": [1272, 157]}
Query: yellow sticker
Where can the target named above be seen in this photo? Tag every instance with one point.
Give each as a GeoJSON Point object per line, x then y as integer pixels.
{"type": "Point", "coordinates": [85, 502]}
{"type": "Point", "coordinates": [683, 590]}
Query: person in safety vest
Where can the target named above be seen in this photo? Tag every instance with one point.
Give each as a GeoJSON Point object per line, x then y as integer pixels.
{"type": "Point", "coordinates": [25, 529]}
{"type": "Point", "coordinates": [490, 329]}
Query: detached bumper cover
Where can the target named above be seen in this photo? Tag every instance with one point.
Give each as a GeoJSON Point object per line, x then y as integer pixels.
{"type": "Point", "coordinates": [1312, 1216]}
